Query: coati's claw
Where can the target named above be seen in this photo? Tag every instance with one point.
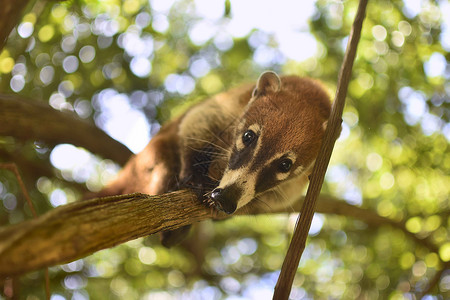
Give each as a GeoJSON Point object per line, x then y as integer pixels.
{"type": "Point", "coordinates": [213, 205]}
{"type": "Point", "coordinates": [208, 202]}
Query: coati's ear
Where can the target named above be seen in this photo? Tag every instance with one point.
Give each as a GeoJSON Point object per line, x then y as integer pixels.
{"type": "Point", "coordinates": [267, 82]}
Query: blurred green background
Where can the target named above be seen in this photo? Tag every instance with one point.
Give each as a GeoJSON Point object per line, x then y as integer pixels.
{"type": "Point", "coordinates": [131, 65]}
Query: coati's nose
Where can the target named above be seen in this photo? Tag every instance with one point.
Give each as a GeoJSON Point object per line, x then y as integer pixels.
{"type": "Point", "coordinates": [215, 194]}
{"type": "Point", "coordinates": [224, 200]}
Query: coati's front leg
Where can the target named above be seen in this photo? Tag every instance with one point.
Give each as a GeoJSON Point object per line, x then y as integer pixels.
{"type": "Point", "coordinates": [194, 176]}
{"type": "Point", "coordinates": [195, 171]}
{"type": "Point", "coordinates": [154, 170]}
{"type": "Point", "coordinates": [203, 141]}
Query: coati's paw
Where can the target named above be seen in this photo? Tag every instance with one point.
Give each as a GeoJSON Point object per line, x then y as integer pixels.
{"type": "Point", "coordinates": [216, 208]}
{"type": "Point", "coordinates": [199, 191]}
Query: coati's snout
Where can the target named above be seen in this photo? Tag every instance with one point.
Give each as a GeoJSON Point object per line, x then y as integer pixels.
{"type": "Point", "coordinates": [226, 199]}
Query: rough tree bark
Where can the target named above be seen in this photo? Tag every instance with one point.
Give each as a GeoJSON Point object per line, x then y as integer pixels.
{"type": "Point", "coordinates": [76, 230]}
{"type": "Point", "coordinates": [28, 119]}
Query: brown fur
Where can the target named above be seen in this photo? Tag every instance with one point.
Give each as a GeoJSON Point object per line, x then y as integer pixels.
{"type": "Point", "coordinates": [288, 115]}
{"type": "Point", "coordinates": [193, 150]}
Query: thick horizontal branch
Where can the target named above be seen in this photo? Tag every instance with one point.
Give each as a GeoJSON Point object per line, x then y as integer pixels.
{"type": "Point", "coordinates": [76, 230]}
{"type": "Point", "coordinates": [27, 119]}
{"type": "Point", "coordinates": [331, 205]}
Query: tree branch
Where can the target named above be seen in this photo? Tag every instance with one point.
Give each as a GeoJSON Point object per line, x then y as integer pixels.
{"type": "Point", "coordinates": [27, 119]}
{"type": "Point", "coordinates": [434, 281]}
{"type": "Point", "coordinates": [10, 12]}
{"type": "Point", "coordinates": [298, 242]}
{"type": "Point", "coordinates": [78, 229]}
{"type": "Point", "coordinates": [331, 205]}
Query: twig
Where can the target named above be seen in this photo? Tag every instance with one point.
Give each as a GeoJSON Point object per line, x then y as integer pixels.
{"type": "Point", "coordinates": [26, 119]}
{"type": "Point", "coordinates": [297, 245]}
{"type": "Point", "coordinates": [13, 168]}
{"type": "Point", "coordinates": [434, 281]}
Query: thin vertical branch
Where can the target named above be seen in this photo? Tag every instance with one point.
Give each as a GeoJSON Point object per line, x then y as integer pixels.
{"type": "Point", "coordinates": [297, 246]}
{"type": "Point", "coordinates": [433, 281]}
{"type": "Point", "coordinates": [47, 284]}
{"type": "Point", "coordinates": [13, 168]}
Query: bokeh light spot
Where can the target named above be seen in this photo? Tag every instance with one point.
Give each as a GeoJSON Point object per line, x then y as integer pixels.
{"type": "Point", "coordinates": [17, 83]}
{"type": "Point", "coordinates": [140, 66]}
{"type": "Point", "coordinates": [374, 161]}
{"type": "Point", "coordinates": [66, 156]}
{"type": "Point", "coordinates": [379, 32]}
{"type": "Point", "coordinates": [46, 75]}
{"type": "Point", "coordinates": [147, 255]}
{"type": "Point", "coordinates": [25, 29]}
{"type": "Point", "coordinates": [436, 65]}
{"type": "Point", "coordinates": [46, 33]}
{"type": "Point", "coordinates": [6, 65]}
{"type": "Point", "coordinates": [70, 64]}
{"type": "Point", "coordinates": [407, 259]}
{"type": "Point", "coordinates": [444, 252]}
{"type": "Point", "coordinates": [414, 224]}
{"type": "Point", "coordinates": [58, 197]}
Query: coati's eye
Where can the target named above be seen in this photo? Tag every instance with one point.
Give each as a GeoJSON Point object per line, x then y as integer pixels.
{"type": "Point", "coordinates": [248, 137]}
{"type": "Point", "coordinates": [285, 165]}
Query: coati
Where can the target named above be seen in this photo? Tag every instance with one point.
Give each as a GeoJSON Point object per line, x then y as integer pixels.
{"type": "Point", "coordinates": [248, 149]}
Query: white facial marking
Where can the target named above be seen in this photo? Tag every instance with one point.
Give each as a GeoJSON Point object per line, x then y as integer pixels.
{"type": "Point", "coordinates": [310, 167]}
{"type": "Point", "coordinates": [290, 155]}
{"type": "Point", "coordinates": [244, 179]}
{"type": "Point", "coordinates": [248, 189]}
{"type": "Point", "coordinates": [247, 180]}
{"type": "Point", "coordinates": [255, 127]}
{"type": "Point", "coordinates": [299, 170]}
{"type": "Point", "coordinates": [242, 176]}
{"type": "Point", "coordinates": [239, 144]}
{"type": "Point", "coordinates": [240, 126]}
{"type": "Point", "coordinates": [282, 176]}
{"type": "Point", "coordinates": [232, 176]}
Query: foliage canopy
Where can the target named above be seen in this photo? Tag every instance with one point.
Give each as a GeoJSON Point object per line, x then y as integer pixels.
{"type": "Point", "coordinates": [130, 65]}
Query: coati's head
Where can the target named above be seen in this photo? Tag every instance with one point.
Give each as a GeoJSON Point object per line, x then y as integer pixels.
{"type": "Point", "coordinates": [278, 137]}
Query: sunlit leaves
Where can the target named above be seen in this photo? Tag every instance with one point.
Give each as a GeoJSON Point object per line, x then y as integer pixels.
{"type": "Point", "coordinates": [6, 62]}
{"type": "Point", "coordinates": [127, 65]}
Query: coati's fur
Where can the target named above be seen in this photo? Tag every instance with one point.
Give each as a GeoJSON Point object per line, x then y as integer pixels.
{"type": "Point", "coordinates": [250, 148]}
